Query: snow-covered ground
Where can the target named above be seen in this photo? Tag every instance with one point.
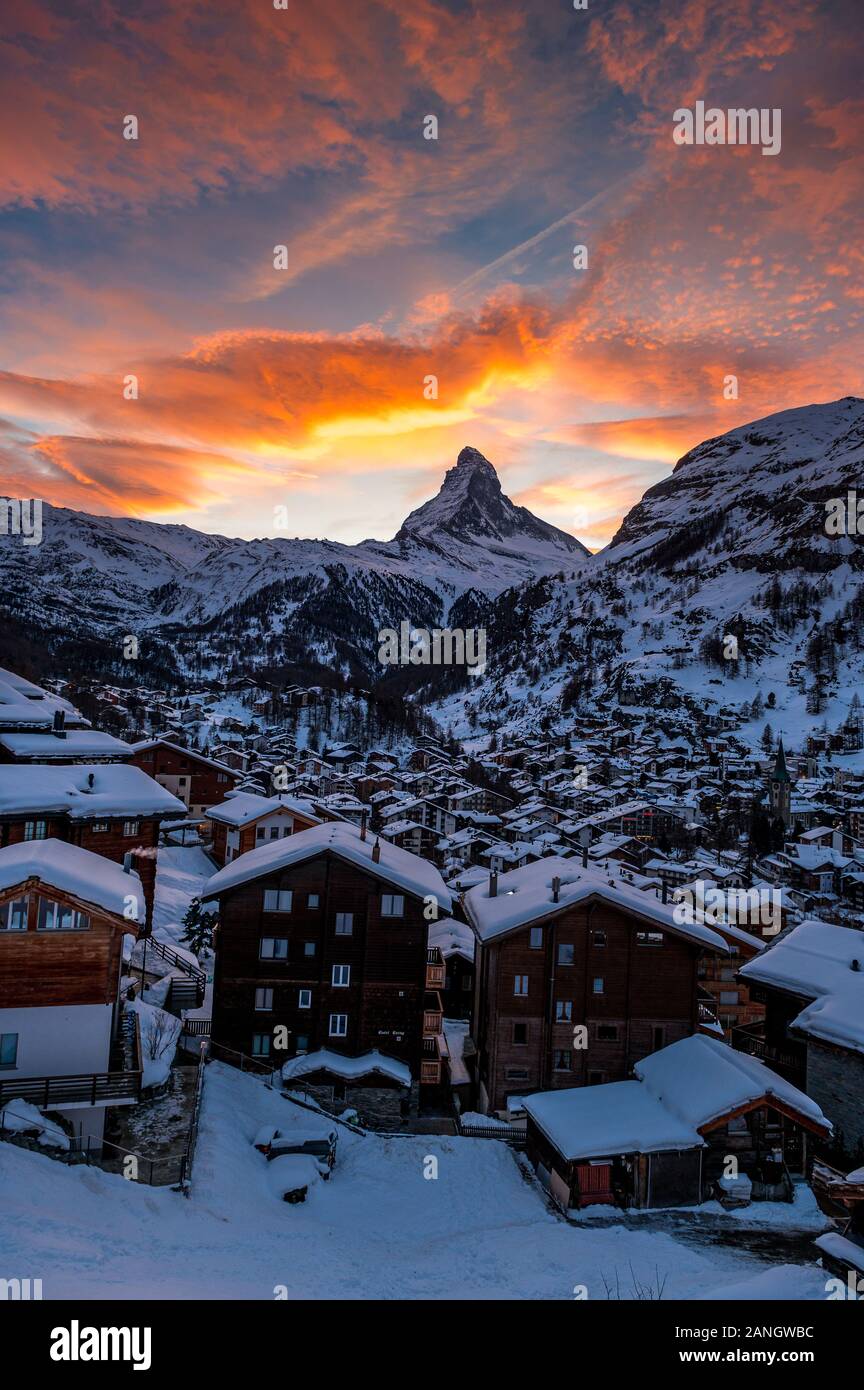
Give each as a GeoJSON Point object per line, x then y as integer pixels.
{"type": "Point", "coordinates": [379, 1229]}
{"type": "Point", "coordinates": [181, 872]}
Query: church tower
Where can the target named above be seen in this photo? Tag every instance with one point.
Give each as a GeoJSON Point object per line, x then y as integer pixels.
{"type": "Point", "coordinates": [780, 788]}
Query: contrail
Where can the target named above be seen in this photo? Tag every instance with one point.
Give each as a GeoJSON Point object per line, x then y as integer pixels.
{"type": "Point", "coordinates": [535, 240]}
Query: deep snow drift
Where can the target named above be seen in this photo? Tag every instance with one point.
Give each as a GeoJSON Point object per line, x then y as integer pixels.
{"type": "Point", "coordinates": [379, 1229]}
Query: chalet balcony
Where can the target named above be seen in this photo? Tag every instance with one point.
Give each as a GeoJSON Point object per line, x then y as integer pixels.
{"type": "Point", "coordinates": [119, 1086]}
{"type": "Point", "coordinates": [432, 1060]}
{"type": "Point", "coordinates": [433, 1013]}
{"type": "Point", "coordinates": [789, 1061]}
{"type": "Point", "coordinates": [74, 1092]}
{"type": "Point", "coordinates": [435, 968]}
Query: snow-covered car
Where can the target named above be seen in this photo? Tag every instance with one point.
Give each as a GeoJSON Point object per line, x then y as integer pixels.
{"type": "Point", "coordinates": [318, 1143]}
{"type": "Point", "coordinates": [290, 1176]}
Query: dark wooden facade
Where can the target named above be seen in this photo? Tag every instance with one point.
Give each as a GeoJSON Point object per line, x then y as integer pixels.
{"type": "Point", "coordinates": [121, 835]}
{"type": "Point", "coordinates": [197, 781]}
{"type": "Point", "coordinates": [384, 1001]}
{"type": "Point", "coordinates": [51, 968]}
{"type": "Point", "coordinates": [526, 1042]}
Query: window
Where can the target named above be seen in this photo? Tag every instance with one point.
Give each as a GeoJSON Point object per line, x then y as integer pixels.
{"type": "Point", "coordinates": [263, 1000]}
{"type": "Point", "coordinates": [516, 1074]}
{"type": "Point", "coordinates": [274, 948]}
{"type": "Point", "coordinates": [607, 1032]}
{"type": "Point", "coordinates": [338, 1025]}
{"type": "Point", "coordinates": [35, 829]}
{"type": "Point", "coordinates": [520, 1034]}
{"type": "Point", "coordinates": [561, 1059]}
{"type": "Point", "coordinates": [260, 1044]}
{"type": "Point", "coordinates": [100, 827]}
{"type": "Point", "coordinates": [341, 976]}
{"type": "Point", "coordinates": [598, 937]}
{"type": "Point", "coordinates": [302, 1042]}
{"type": "Point", "coordinates": [304, 1000]}
{"type": "Point", "coordinates": [649, 938]}
{"type": "Point", "coordinates": [13, 915]}
{"type": "Point", "coordinates": [60, 917]}
{"type": "Point", "coordinates": [520, 985]}
{"type": "Point", "coordinates": [313, 900]}
{"type": "Point", "coordinates": [277, 902]}
{"type": "Point", "coordinates": [392, 905]}
{"type": "Point", "coordinates": [598, 985]}
{"type": "Point", "coordinates": [274, 832]}
{"type": "Point", "coordinates": [659, 1035]}
{"type": "Point", "coordinates": [309, 948]}
{"type": "Point", "coordinates": [260, 833]}
{"type": "Point", "coordinates": [131, 827]}
{"type": "Point", "coordinates": [565, 955]}
{"type": "Point", "coordinates": [536, 939]}
{"type": "Point", "coordinates": [8, 1049]}
{"type": "Point", "coordinates": [344, 923]}
{"type": "Point", "coordinates": [728, 996]}
{"type": "Point", "coordinates": [563, 1010]}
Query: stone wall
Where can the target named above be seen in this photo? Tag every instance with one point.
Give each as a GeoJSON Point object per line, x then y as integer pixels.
{"type": "Point", "coordinates": [835, 1080]}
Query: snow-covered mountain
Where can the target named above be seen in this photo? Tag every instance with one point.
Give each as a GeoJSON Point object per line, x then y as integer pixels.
{"type": "Point", "coordinates": [202, 599]}
{"type": "Point", "coordinates": [733, 544]}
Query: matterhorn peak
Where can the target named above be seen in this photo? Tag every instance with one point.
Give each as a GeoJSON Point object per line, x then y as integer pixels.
{"type": "Point", "coordinates": [471, 506]}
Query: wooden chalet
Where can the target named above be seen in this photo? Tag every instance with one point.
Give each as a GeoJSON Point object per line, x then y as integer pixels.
{"type": "Point", "coordinates": [322, 948]}
{"type": "Point", "coordinates": [666, 1138]}
{"type": "Point", "coordinates": [114, 810]}
{"type": "Point", "coordinates": [199, 782]}
{"type": "Point", "coordinates": [246, 821]}
{"type": "Point", "coordinates": [577, 977]}
{"type": "Point", "coordinates": [64, 1045]}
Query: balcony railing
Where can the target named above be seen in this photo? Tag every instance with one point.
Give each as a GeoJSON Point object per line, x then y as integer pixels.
{"type": "Point", "coordinates": [435, 968]}
{"type": "Point", "coordinates": [750, 1038]}
{"type": "Point", "coordinates": [433, 1013]}
{"type": "Point", "coordinates": [95, 1088]}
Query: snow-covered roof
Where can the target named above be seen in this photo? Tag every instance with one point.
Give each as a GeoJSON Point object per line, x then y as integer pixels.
{"type": "Point", "coordinates": [22, 702]}
{"type": "Point", "coordinates": [241, 808]}
{"type": "Point", "coordinates": [816, 961]}
{"type": "Point", "coordinates": [679, 1091]}
{"type": "Point", "coordinates": [144, 745]}
{"type": "Point", "coordinates": [116, 789]}
{"type": "Point", "coordinates": [452, 938]}
{"type": "Point", "coordinates": [525, 895]}
{"type": "Point", "coordinates": [702, 1079]}
{"type": "Point", "coordinates": [349, 1068]}
{"type": "Point", "coordinates": [394, 865]}
{"type": "Point", "coordinates": [76, 871]}
{"type": "Point", "coordinates": [73, 743]}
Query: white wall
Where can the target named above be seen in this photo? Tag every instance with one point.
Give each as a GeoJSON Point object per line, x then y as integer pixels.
{"type": "Point", "coordinates": [58, 1041]}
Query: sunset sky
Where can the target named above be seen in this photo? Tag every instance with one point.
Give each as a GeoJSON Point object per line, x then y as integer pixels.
{"type": "Point", "coordinates": [408, 257]}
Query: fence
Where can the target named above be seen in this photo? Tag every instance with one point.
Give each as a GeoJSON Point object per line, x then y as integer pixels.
{"type": "Point", "coordinates": [100, 1153]}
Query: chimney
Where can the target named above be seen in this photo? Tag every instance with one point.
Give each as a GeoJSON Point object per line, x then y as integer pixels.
{"type": "Point", "coordinates": [91, 779]}
{"type": "Point", "coordinates": [59, 720]}
{"type": "Point", "coordinates": [584, 856]}
{"type": "Point", "coordinates": [856, 965]}
{"type": "Point", "coordinates": [127, 862]}
{"type": "Point", "coordinates": [376, 851]}
{"type": "Point", "coordinates": [493, 884]}
{"type": "Point", "coordinates": [664, 891]}
{"type": "Point", "coordinates": [364, 816]}
{"type": "Point", "coordinates": [556, 889]}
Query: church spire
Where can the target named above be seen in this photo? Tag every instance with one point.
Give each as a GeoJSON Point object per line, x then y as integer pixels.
{"type": "Point", "coordinates": [781, 772]}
